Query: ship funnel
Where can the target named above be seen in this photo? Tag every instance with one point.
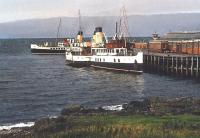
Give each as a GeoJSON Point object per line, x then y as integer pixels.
{"type": "Point", "coordinates": [99, 35]}
{"type": "Point", "coordinates": [79, 37]}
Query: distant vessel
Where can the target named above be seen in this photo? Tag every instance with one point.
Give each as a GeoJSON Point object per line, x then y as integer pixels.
{"type": "Point", "coordinates": [46, 48]}
{"type": "Point", "coordinates": [79, 52]}
{"type": "Point", "coordinates": [49, 49]}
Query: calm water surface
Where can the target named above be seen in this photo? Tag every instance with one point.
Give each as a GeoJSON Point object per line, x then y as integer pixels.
{"type": "Point", "coordinates": [36, 86]}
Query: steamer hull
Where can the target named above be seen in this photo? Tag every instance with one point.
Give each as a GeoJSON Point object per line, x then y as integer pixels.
{"type": "Point", "coordinates": [36, 49]}
{"type": "Point", "coordinates": [132, 64]}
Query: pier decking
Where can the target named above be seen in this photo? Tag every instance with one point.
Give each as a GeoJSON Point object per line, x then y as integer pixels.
{"type": "Point", "coordinates": [172, 64]}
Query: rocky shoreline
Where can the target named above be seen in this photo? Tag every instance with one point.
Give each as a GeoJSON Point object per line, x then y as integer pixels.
{"type": "Point", "coordinates": [70, 115]}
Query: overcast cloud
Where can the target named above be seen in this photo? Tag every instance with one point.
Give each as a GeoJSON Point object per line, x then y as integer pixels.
{"type": "Point", "coordinates": [11, 10]}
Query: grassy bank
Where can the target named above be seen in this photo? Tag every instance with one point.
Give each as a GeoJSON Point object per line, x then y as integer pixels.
{"type": "Point", "coordinates": [135, 126]}
{"type": "Point", "coordinates": [148, 118]}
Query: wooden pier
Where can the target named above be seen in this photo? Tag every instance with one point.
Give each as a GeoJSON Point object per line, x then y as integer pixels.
{"type": "Point", "coordinates": [172, 64]}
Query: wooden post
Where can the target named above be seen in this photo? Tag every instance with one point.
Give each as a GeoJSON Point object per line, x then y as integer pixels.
{"type": "Point", "coordinates": [151, 62]}
{"type": "Point", "coordinates": [154, 62]}
{"type": "Point", "coordinates": [176, 65]}
{"type": "Point", "coordinates": [158, 64]}
{"type": "Point", "coordinates": [167, 65]}
{"type": "Point", "coordinates": [147, 61]}
{"type": "Point", "coordinates": [192, 66]}
{"type": "Point", "coordinates": [186, 66]}
{"type": "Point", "coordinates": [172, 70]}
{"type": "Point", "coordinates": [181, 66]}
{"type": "Point", "coordinates": [197, 68]}
{"type": "Point", "coordinates": [163, 64]}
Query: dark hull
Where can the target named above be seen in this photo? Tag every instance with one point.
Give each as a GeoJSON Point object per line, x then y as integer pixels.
{"type": "Point", "coordinates": [122, 67]}
{"type": "Point", "coordinates": [47, 51]}
{"type": "Point", "coordinates": [78, 64]}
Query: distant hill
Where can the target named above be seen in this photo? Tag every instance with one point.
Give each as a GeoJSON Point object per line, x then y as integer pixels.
{"type": "Point", "coordinates": [139, 25]}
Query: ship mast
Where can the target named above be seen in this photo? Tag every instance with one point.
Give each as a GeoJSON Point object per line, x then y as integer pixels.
{"type": "Point", "coordinates": [124, 29]}
{"type": "Point", "coordinates": [58, 31]}
{"type": "Point", "coordinates": [79, 37]}
{"type": "Point", "coordinates": [79, 20]}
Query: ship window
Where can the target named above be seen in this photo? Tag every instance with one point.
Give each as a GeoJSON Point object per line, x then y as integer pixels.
{"type": "Point", "coordinates": [113, 51]}
{"type": "Point", "coordinates": [117, 51]}
{"type": "Point", "coordinates": [100, 59]}
{"type": "Point", "coordinates": [93, 51]}
{"type": "Point", "coordinates": [118, 60]}
{"type": "Point", "coordinates": [104, 59]}
{"type": "Point", "coordinates": [114, 60]}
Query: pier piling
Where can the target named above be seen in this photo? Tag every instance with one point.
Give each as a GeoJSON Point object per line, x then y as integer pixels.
{"type": "Point", "coordinates": [172, 64]}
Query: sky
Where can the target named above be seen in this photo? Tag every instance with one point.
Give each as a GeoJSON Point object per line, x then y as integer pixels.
{"type": "Point", "coordinates": [12, 10]}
